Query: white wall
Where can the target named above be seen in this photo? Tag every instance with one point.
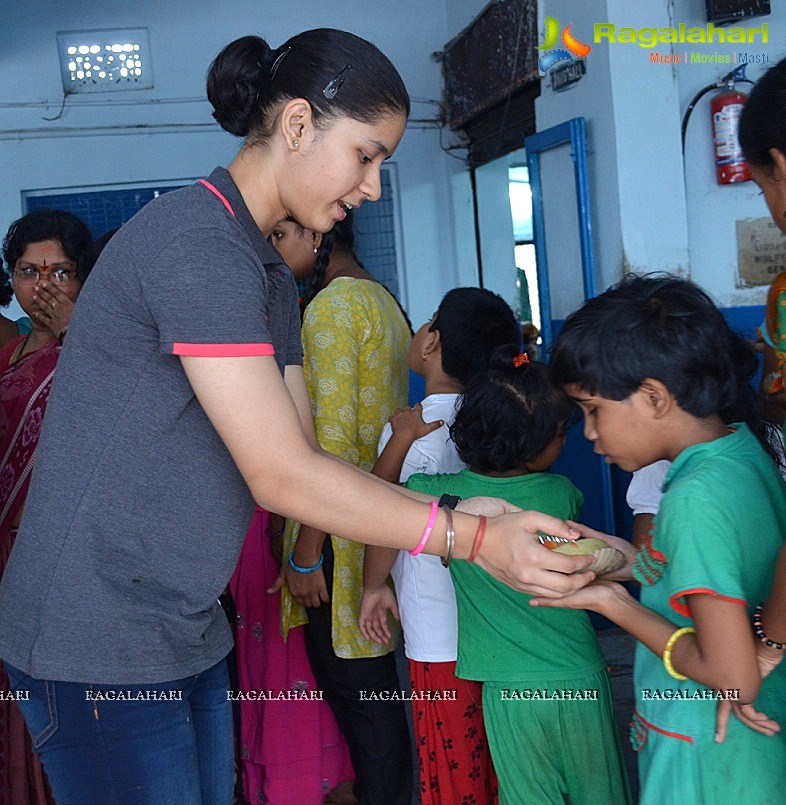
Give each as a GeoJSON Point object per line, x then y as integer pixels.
{"type": "Point", "coordinates": [167, 132]}
{"type": "Point", "coordinates": [712, 208]}
{"type": "Point", "coordinates": [648, 212]}
{"type": "Point", "coordinates": [495, 224]}
{"type": "Point", "coordinates": [592, 98]}
{"type": "Point", "coordinates": [651, 210]}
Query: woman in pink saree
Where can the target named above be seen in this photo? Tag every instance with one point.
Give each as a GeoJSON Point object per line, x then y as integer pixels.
{"type": "Point", "coordinates": [49, 254]}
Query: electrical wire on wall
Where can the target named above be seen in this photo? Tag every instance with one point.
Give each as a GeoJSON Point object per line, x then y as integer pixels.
{"type": "Point", "coordinates": [60, 113]}
{"type": "Point", "coordinates": [146, 128]}
{"type": "Point", "coordinates": [522, 14]}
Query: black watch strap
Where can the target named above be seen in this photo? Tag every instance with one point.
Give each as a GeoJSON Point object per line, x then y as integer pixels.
{"type": "Point", "coordinates": [450, 501]}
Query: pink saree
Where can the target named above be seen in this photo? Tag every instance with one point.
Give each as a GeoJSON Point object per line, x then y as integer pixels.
{"type": "Point", "coordinates": [291, 751]}
{"type": "Point", "coordinates": [24, 392]}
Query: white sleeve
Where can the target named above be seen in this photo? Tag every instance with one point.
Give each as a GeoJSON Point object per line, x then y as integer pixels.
{"type": "Point", "coordinates": [432, 454]}
{"type": "Point", "coordinates": [384, 438]}
{"type": "Point", "coordinates": [645, 489]}
{"type": "Point", "coordinates": [426, 455]}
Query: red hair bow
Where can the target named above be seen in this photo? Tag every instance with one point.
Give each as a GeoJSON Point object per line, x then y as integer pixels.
{"type": "Point", "coordinates": [520, 359]}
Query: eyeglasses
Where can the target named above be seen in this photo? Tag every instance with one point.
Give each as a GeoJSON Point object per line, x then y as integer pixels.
{"type": "Point", "coordinates": [60, 276]}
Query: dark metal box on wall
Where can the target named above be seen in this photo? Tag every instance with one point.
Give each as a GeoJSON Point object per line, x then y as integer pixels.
{"type": "Point", "coordinates": [725, 12]}
{"type": "Point", "coordinates": [491, 59]}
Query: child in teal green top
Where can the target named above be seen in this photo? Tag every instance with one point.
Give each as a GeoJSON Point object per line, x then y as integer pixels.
{"type": "Point", "coordinates": [658, 373]}
{"type": "Point", "coordinates": [547, 703]}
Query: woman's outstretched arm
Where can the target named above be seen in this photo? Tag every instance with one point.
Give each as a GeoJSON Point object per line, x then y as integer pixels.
{"type": "Point", "coordinates": [255, 416]}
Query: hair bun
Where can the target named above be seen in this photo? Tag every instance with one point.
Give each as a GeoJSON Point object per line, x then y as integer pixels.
{"type": "Point", "coordinates": [237, 80]}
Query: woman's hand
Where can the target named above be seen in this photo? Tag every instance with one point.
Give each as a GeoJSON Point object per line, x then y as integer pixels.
{"type": "Point", "coordinates": [374, 608]}
{"type": "Point", "coordinates": [53, 308]}
{"type": "Point", "coordinates": [768, 659]}
{"type": "Point", "coordinates": [629, 551]}
{"type": "Point", "coordinates": [596, 596]}
{"type": "Point", "coordinates": [512, 553]}
{"type": "Point", "coordinates": [308, 589]}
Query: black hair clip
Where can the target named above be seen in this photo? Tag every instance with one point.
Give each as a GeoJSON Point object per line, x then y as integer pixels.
{"type": "Point", "coordinates": [334, 85]}
{"type": "Point", "coordinates": [277, 63]}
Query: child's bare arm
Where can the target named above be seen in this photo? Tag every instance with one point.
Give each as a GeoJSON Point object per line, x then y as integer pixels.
{"type": "Point", "coordinates": [373, 619]}
{"type": "Point", "coordinates": [721, 654]}
{"type": "Point", "coordinates": [308, 589]}
{"type": "Point", "coordinates": [408, 426]}
{"type": "Point", "coordinates": [773, 622]}
{"type": "Point", "coordinates": [377, 565]}
{"type": "Point", "coordinates": [768, 659]}
{"type": "Point", "coordinates": [642, 523]}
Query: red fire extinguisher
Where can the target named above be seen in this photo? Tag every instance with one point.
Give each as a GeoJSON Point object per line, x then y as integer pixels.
{"type": "Point", "coordinates": [726, 108]}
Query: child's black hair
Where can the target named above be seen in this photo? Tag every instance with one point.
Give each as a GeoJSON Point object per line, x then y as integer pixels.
{"type": "Point", "coordinates": [668, 329]}
{"type": "Point", "coordinates": [509, 414]}
{"type": "Point", "coordinates": [763, 120]}
{"type": "Point", "coordinates": [342, 235]}
{"type": "Point", "coordinates": [472, 323]}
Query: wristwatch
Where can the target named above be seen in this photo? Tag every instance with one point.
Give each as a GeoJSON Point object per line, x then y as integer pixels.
{"type": "Point", "coordinates": [449, 501]}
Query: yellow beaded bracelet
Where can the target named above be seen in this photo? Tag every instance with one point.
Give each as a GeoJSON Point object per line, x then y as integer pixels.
{"type": "Point", "coordinates": [670, 645]}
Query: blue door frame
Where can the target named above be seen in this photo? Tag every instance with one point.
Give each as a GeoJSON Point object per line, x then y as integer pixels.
{"type": "Point", "coordinates": [574, 133]}
{"type": "Point", "coordinates": [589, 472]}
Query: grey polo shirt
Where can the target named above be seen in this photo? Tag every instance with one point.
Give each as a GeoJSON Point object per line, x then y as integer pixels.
{"type": "Point", "coordinates": [136, 513]}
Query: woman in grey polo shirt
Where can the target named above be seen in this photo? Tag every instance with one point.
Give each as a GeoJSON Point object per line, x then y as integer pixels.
{"type": "Point", "coordinates": [169, 418]}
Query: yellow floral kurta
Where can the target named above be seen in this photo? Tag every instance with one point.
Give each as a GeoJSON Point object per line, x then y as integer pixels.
{"type": "Point", "coordinates": [355, 340]}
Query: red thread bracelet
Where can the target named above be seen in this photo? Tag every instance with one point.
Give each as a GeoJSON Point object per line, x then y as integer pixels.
{"type": "Point", "coordinates": [479, 534]}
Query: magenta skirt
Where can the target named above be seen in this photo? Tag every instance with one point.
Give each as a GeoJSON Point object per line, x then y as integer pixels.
{"type": "Point", "coordinates": [291, 749]}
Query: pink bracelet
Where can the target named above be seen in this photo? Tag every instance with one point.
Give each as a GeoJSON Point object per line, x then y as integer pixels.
{"type": "Point", "coordinates": [427, 533]}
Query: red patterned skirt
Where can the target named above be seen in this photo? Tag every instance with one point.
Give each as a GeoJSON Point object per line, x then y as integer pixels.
{"type": "Point", "coordinates": [455, 763]}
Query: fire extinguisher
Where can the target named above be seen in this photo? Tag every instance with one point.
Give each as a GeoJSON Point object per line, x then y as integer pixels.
{"type": "Point", "coordinates": [726, 109]}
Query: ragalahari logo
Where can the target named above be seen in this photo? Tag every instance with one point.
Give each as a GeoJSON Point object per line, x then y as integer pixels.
{"type": "Point", "coordinates": [574, 48]}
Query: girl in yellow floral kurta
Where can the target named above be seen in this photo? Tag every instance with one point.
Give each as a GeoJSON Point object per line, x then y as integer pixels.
{"type": "Point", "coordinates": [355, 340]}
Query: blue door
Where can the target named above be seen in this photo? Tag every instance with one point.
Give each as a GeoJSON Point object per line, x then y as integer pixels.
{"type": "Point", "coordinates": [603, 486]}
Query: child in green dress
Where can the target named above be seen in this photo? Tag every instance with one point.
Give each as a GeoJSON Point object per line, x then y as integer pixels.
{"type": "Point", "coordinates": [547, 704]}
{"type": "Point", "coordinates": [655, 368]}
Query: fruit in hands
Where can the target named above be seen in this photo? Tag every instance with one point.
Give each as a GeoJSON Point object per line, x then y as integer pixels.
{"type": "Point", "coordinates": [605, 558]}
